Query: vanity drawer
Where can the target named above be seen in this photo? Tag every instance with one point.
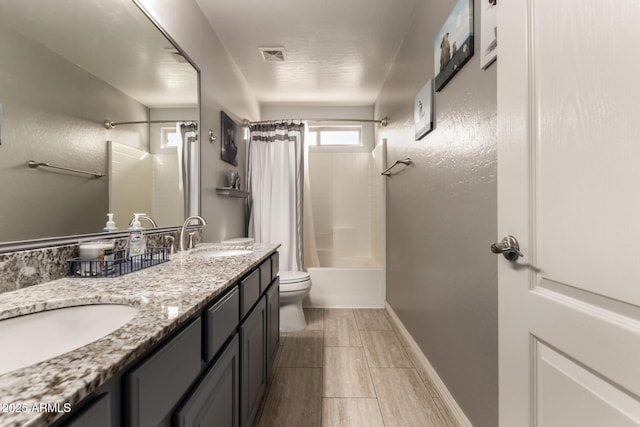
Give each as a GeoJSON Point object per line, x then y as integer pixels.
{"type": "Point", "coordinates": [220, 322]}
{"type": "Point", "coordinates": [265, 275]}
{"type": "Point", "coordinates": [156, 386]}
{"type": "Point", "coordinates": [249, 292]}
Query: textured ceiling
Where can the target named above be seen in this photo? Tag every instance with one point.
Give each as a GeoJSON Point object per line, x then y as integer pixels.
{"type": "Point", "coordinates": [338, 51]}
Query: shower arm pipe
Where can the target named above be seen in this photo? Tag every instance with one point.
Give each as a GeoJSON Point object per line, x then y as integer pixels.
{"type": "Point", "coordinates": [387, 171]}
{"type": "Point", "coordinates": [383, 122]}
{"type": "Point", "coordinates": [110, 125]}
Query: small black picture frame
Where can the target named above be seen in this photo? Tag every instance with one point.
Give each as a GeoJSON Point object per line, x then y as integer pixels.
{"type": "Point", "coordinates": [228, 147]}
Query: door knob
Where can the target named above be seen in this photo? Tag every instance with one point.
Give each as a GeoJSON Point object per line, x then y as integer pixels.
{"type": "Point", "coordinates": [508, 247]}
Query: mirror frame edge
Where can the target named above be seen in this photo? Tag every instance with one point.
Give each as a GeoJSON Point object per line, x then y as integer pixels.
{"type": "Point", "coordinates": [168, 36]}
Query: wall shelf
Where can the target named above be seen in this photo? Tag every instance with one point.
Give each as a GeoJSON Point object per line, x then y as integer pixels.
{"type": "Point", "coordinates": [231, 192]}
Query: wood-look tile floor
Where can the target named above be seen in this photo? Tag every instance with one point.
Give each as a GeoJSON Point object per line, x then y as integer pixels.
{"type": "Point", "coordinates": [349, 368]}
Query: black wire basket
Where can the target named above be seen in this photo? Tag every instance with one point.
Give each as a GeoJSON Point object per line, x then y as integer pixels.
{"type": "Point", "coordinates": [116, 263]}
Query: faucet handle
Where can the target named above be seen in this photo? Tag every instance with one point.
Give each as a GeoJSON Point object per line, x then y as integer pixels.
{"type": "Point", "coordinates": [169, 242]}
{"type": "Point", "coordinates": [191, 243]}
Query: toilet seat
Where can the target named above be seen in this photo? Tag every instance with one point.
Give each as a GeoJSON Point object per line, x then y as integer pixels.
{"type": "Point", "coordinates": [291, 281]}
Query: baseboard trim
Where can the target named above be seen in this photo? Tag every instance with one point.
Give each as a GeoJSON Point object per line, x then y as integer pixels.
{"type": "Point", "coordinates": [419, 356]}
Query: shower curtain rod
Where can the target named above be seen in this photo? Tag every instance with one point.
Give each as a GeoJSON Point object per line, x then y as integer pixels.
{"type": "Point", "coordinates": [110, 125]}
{"type": "Point", "coordinates": [383, 122]}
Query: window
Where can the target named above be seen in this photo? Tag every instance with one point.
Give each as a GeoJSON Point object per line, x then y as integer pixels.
{"type": "Point", "coordinates": [169, 137]}
{"type": "Point", "coordinates": [335, 135]}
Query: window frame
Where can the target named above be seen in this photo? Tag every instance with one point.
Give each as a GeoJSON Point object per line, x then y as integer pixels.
{"type": "Point", "coordinates": [164, 138]}
{"type": "Point", "coordinates": [319, 129]}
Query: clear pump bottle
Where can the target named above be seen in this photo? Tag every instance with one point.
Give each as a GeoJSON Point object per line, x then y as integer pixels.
{"type": "Point", "coordinates": [137, 240]}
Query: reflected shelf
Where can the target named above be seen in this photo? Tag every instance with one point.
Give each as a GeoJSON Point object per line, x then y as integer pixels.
{"type": "Point", "coordinates": [231, 192]}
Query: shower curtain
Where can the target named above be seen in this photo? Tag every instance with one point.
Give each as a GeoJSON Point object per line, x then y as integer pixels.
{"type": "Point", "coordinates": [275, 172]}
{"type": "Point", "coordinates": [187, 166]}
{"type": "Point", "coordinates": [309, 231]}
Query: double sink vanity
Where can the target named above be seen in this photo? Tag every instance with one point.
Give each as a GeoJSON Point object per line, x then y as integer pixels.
{"type": "Point", "coordinates": [187, 342]}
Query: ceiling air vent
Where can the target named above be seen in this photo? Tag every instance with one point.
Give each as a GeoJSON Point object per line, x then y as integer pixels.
{"type": "Point", "coordinates": [273, 54]}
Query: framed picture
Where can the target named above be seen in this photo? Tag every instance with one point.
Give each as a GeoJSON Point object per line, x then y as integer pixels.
{"type": "Point", "coordinates": [228, 147]}
{"type": "Point", "coordinates": [488, 32]}
{"type": "Point", "coordinates": [453, 45]}
{"type": "Point", "coordinates": [423, 110]}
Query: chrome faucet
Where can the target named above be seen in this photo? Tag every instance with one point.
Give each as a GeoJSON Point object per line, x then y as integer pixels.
{"type": "Point", "coordinates": [187, 221]}
{"type": "Point", "coordinates": [148, 218]}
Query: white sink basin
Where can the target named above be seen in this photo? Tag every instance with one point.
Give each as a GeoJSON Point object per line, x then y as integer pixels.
{"type": "Point", "coordinates": [36, 337]}
{"type": "Point", "coordinates": [226, 253]}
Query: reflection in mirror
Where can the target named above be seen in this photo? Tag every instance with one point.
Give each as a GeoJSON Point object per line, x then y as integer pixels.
{"type": "Point", "coordinates": [66, 68]}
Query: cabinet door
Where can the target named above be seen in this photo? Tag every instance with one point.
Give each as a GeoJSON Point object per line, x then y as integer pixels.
{"type": "Point", "coordinates": [95, 414]}
{"type": "Point", "coordinates": [155, 387]}
{"type": "Point", "coordinates": [215, 401]}
{"type": "Point", "coordinates": [273, 324]}
{"type": "Point", "coordinates": [253, 367]}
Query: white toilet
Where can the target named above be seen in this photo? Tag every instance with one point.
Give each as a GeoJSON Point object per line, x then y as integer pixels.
{"type": "Point", "coordinates": [294, 286]}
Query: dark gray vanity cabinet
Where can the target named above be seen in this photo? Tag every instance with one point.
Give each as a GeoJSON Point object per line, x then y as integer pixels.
{"type": "Point", "coordinates": [273, 324]}
{"type": "Point", "coordinates": [253, 351]}
{"type": "Point", "coordinates": [211, 372]}
{"type": "Point", "coordinates": [154, 388]}
{"type": "Point", "coordinates": [215, 400]}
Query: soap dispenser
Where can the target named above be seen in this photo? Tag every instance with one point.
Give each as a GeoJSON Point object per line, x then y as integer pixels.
{"type": "Point", "coordinates": [111, 224]}
{"type": "Point", "coordinates": [137, 241]}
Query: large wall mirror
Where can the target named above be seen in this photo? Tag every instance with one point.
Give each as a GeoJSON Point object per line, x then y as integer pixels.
{"type": "Point", "coordinates": [65, 69]}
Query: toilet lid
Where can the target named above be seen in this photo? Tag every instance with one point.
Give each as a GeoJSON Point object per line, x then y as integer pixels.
{"type": "Point", "coordinates": [293, 276]}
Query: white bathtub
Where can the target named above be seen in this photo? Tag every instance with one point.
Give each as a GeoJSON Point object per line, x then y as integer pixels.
{"type": "Point", "coordinates": [347, 283]}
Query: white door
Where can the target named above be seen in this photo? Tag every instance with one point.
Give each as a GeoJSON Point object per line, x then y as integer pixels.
{"type": "Point", "coordinates": [569, 191]}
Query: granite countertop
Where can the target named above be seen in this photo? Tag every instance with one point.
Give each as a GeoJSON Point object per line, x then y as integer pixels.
{"type": "Point", "coordinates": [166, 295]}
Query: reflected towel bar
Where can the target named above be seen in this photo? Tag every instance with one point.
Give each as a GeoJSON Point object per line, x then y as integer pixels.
{"type": "Point", "coordinates": [34, 164]}
{"type": "Point", "coordinates": [387, 171]}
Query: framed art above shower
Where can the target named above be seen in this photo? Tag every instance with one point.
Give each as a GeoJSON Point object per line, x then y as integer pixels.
{"type": "Point", "coordinates": [228, 147]}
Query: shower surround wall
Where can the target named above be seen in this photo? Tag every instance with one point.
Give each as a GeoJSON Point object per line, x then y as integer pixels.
{"type": "Point", "coordinates": [441, 215]}
{"type": "Point", "coordinates": [346, 192]}
{"type": "Point", "coordinates": [341, 205]}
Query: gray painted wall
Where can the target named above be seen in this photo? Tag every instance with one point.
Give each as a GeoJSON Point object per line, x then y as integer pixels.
{"type": "Point", "coordinates": [222, 87]}
{"type": "Point", "coordinates": [52, 111]}
{"type": "Point", "coordinates": [441, 216]}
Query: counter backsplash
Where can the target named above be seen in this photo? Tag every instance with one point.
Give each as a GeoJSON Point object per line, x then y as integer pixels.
{"type": "Point", "coordinates": [31, 267]}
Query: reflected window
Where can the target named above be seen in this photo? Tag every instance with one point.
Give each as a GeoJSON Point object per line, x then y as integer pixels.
{"type": "Point", "coordinates": [169, 137]}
